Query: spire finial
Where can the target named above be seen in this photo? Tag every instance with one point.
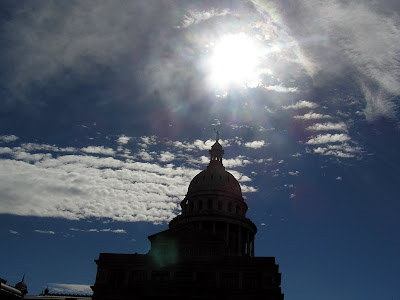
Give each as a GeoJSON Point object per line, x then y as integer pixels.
{"type": "Point", "coordinates": [217, 135]}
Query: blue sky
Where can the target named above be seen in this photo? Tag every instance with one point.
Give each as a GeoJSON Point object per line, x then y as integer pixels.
{"type": "Point", "coordinates": [108, 110]}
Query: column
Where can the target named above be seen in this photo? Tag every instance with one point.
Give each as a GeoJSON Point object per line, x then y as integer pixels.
{"type": "Point", "coordinates": [227, 233]}
{"type": "Point", "coordinates": [248, 243]}
{"type": "Point", "coordinates": [239, 240]}
{"type": "Point", "coordinates": [252, 246]}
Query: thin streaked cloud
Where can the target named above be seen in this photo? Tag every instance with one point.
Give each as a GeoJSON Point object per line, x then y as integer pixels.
{"type": "Point", "coordinates": [328, 126]}
{"type": "Point", "coordinates": [328, 138]}
{"type": "Point", "coordinates": [312, 116]}
{"type": "Point", "coordinates": [301, 104]}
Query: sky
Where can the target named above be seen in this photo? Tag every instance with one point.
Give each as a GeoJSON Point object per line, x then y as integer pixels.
{"type": "Point", "coordinates": [108, 110]}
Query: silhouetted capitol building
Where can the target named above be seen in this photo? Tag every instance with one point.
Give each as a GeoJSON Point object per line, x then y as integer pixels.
{"type": "Point", "coordinates": [207, 252]}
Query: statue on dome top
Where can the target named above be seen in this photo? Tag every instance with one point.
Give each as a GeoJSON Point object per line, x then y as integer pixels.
{"type": "Point", "coordinates": [217, 133]}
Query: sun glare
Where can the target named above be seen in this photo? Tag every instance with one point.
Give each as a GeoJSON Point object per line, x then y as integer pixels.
{"type": "Point", "coordinates": [234, 61]}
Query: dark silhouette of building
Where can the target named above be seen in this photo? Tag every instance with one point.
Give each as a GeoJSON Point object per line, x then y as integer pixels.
{"type": "Point", "coordinates": [207, 252]}
{"type": "Point", "coordinates": [9, 292]}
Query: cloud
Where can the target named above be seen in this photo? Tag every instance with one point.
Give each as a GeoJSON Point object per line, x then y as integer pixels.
{"type": "Point", "coordinates": [45, 147]}
{"type": "Point", "coordinates": [255, 144]}
{"type": "Point", "coordinates": [166, 156]}
{"type": "Point", "coordinates": [80, 45]}
{"type": "Point", "coordinates": [358, 42]}
{"type": "Point", "coordinates": [148, 141]}
{"type": "Point", "coordinates": [328, 126]}
{"type": "Point", "coordinates": [281, 89]}
{"type": "Point", "coordinates": [13, 232]}
{"type": "Point", "coordinates": [194, 16]}
{"type": "Point", "coordinates": [99, 230]}
{"type": "Point", "coordinates": [70, 288]}
{"type": "Point", "coordinates": [199, 144]}
{"type": "Point", "coordinates": [239, 161]}
{"type": "Point", "coordinates": [312, 116]}
{"type": "Point", "coordinates": [296, 173]}
{"type": "Point", "coordinates": [292, 196]}
{"type": "Point", "coordinates": [123, 139]}
{"type": "Point", "coordinates": [328, 138]}
{"type": "Point", "coordinates": [44, 231]}
{"type": "Point", "coordinates": [98, 150]}
{"type": "Point", "coordinates": [8, 138]}
{"type": "Point", "coordinates": [75, 186]}
{"type": "Point", "coordinates": [339, 178]}
{"type": "Point", "coordinates": [339, 150]}
{"type": "Point", "coordinates": [5, 150]}
{"type": "Point", "coordinates": [145, 155]}
{"type": "Point", "coordinates": [301, 104]}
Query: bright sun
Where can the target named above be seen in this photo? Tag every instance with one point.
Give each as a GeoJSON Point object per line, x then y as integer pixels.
{"type": "Point", "coordinates": [234, 61]}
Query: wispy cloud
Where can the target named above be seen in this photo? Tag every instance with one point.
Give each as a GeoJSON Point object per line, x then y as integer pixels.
{"type": "Point", "coordinates": [99, 230]}
{"type": "Point", "coordinates": [281, 89]}
{"type": "Point", "coordinates": [13, 232]}
{"type": "Point", "coordinates": [312, 116]}
{"type": "Point", "coordinates": [343, 150]}
{"type": "Point", "coordinates": [194, 16]}
{"type": "Point", "coordinates": [44, 231]}
{"type": "Point", "coordinates": [301, 104]}
{"type": "Point", "coordinates": [328, 126]}
{"type": "Point", "coordinates": [328, 138]}
{"type": "Point", "coordinates": [361, 37]}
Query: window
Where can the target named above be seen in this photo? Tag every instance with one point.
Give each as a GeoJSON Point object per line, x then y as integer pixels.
{"type": "Point", "coordinates": [209, 277]}
{"type": "Point", "coordinates": [183, 276]}
{"type": "Point", "coordinates": [252, 280]}
{"type": "Point", "coordinates": [210, 204]}
{"type": "Point", "coordinates": [160, 275]}
{"type": "Point", "coordinates": [138, 275]}
{"type": "Point", "coordinates": [116, 278]}
{"type": "Point", "coordinates": [230, 280]}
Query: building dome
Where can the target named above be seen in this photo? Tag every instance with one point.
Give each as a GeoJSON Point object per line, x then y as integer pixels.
{"type": "Point", "coordinates": [214, 190]}
{"type": "Point", "coordinates": [215, 179]}
{"type": "Point", "coordinates": [22, 286]}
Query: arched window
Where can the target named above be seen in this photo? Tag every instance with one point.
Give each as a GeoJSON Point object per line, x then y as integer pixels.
{"type": "Point", "coordinates": [210, 204]}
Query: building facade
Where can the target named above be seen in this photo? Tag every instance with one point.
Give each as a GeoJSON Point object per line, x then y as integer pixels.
{"type": "Point", "coordinates": [206, 253]}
